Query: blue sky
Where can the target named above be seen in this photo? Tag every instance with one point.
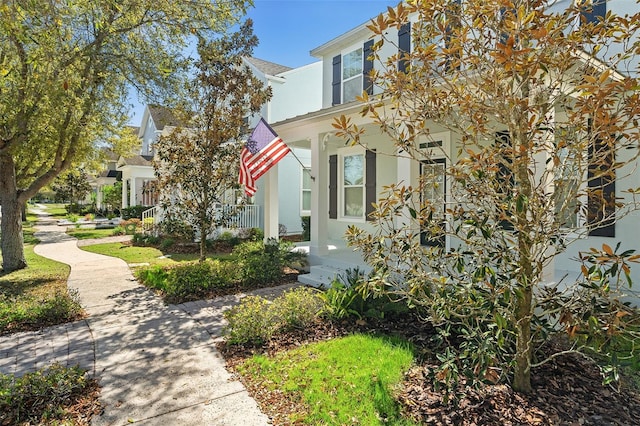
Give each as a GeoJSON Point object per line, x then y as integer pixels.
{"type": "Point", "coordinates": [289, 29]}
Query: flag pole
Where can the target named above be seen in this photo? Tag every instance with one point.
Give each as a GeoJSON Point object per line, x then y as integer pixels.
{"type": "Point", "coordinates": [304, 168]}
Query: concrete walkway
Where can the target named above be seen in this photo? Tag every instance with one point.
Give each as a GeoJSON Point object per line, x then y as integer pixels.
{"type": "Point", "coordinates": [157, 364]}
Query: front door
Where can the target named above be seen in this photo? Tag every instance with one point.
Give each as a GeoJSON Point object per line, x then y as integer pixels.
{"type": "Point", "coordinates": [433, 195]}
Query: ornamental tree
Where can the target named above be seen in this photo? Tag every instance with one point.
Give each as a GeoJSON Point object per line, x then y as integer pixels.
{"type": "Point", "coordinates": [197, 164]}
{"type": "Point", "coordinates": [66, 69]}
{"type": "Point", "coordinates": [544, 113]}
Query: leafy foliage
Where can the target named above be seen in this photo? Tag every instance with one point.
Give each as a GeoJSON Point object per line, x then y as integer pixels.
{"type": "Point", "coordinates": [255, 320]}
{"type": "Point", "coordinates": [67, 69]}
{"type": "Point", "coordinates": [263, 263]}
{"type": "Point", "coordinates": [541, 126]}
{"type": "Point", "coordinates": [72, 186]}
{"type": "Point", "coordinates": [41, 397]}
{"type": "Point", "coordinates": [197, 165]}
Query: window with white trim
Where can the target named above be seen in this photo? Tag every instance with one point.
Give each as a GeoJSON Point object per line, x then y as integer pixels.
{"type": "Point", "coordinates": [305, 192]}
{"type": "Point", "coordinates": [352, 189]}
{"type": "Point", "coordinates": [351, 75]}
{"type": "Point", "coordinates": [568, 175]}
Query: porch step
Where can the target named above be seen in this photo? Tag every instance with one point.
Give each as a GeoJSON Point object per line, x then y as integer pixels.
{"type": "Point", "coordinates": [321, 276]}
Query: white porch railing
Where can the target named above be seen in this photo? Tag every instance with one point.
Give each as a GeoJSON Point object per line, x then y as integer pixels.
{"type": "Point", "coordinates": [149, 218]}
{"type": "Point", "coordinates": [246, 216]}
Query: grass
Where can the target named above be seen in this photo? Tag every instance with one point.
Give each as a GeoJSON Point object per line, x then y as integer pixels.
{"type": "Point", "coordinates": [55, 395]}
{"type": "Point", "coordinates": [348, 380]}
{"type": "Point", "coordinates": [58, 211]}
{"type": "Point", "coordinates": [87, 233]}
{"type": "Point", "coordinates": [36, 296]}
{"type": "Point", "coordinates": [131, 254]}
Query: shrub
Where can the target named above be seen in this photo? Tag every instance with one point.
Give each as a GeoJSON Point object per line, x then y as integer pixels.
{"type": "Point", "coordinates": [176, 228]}
{"type": "Point", "coordinates": [263, 263]}
{"type": "Point", "coordinates": [166, 243]}
{"type": "Point", "coordinates": [140, 239]}
{"type": "Point", "coordinates": [133, 212]}
{"type": "Point", "coordinates": [251, 322]}
{"type": "Point", "coordinates": [298, 308]}
{"type": "Point", "coordinates": [255, 320]}
{"type": "Point", "coordinates": [24, 314]}
{"type": "Point", "coordinates": [153, 276]}
{"type": "Point", "coordinates": [40, 397]}
{"type": "Point", "coordinates": [131, 225]}
{"type": "Point", "coordinates": [190, 281]}
{"type": "Point", "coordinates": [118, 230]}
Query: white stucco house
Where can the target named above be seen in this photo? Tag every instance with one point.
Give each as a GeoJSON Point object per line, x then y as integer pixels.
{"type": "Point", "coordinates": [349, 178]}
{"type": "Point", "coordinates": [296, 91]}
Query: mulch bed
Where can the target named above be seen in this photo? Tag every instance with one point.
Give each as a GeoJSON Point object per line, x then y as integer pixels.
{"type": "Point", "coordinates": [566, 391]}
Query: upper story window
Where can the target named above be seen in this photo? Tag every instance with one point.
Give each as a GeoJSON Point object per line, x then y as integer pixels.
{"type": "Point", "coordinates": [351, 73]}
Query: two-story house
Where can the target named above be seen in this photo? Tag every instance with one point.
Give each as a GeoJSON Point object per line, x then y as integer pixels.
{"type": "Point", "coordinates": [348, 179]}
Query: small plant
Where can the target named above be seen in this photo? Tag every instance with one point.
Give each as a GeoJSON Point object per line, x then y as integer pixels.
{"type": "Point", "coordinates": [250, 322]}
{"type": "Point", "coordinates": [41, 397]}
{"type": "Point", "coordinates": [298, 308]}
{"type": "Point", "coordinates": [89, 217]}
{"type": "Point", "coordinates": [154, 277]}
{"type": "Point", "coordinates": [306, 228]}
{"type": "Point", "coordinates": [131, 225]}
{"type": "Point", "coordinates": [166, 243]}
{"type": "Point", "coordinates": [118, 230]}
{"type": "Point", "coordinates": [73, 218]}
{"type": "Point", "coordinates": [264, 263]}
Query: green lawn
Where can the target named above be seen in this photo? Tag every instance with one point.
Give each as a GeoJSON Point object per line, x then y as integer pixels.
{"type": "Point", "coordinates": [58, 211]}
{"type": "Point", "coordinates": [86, 234]}
{"type": "Point", "coordinates": [36, 296]}
{"type": "Point", "coordinates": [347, 380]}
{"type": "Point", "coordinates": [150, 255]}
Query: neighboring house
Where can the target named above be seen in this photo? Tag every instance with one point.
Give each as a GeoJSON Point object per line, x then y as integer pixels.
{"type": "Point", "coordinates": [138, 178]}
{"type": "Point", "coordinates": [295, 91]}
{"type": "Point", "coordinates": [348, 179]}
{"type": "Point", "coordinates": [107, 177]}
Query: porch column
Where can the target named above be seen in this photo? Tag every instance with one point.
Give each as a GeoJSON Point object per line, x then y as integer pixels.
{"type": "Point", "coordinates": [403, 177]}
{"type": "Point", "coordinates": [133, 192]}
{"type": "Point", "coordinates": [126, 183]}
{"type": "Point", "coordinates": [271, 203]}
{"type": "Point", "coordinates": [319, 198]}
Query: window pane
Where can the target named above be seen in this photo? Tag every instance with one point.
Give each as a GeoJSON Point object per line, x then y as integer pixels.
{"type": "Point", "coordinates": [351, 89]}
{"type": "Point", "coordinates": [352, 64]}
{"type": "Point", "coordinates": [306, 200]}
{"type": "Point", "coordinates": [434, 189]}
{"type": "Point", "coordinates": [306, 179]}
{"type": "Point", "coordinates": [353, 202]}
{"type": "Point", "coordinates": [353, 168]}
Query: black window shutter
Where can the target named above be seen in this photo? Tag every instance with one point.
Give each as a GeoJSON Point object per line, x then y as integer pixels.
{"type": "Point", "coordinates": [367, 83]}
{"type": "Point", "coordinates": [333, 187]}
{"type": "Point", "coordinates": [597, 10]}
{"type": "Point", "coordinates": [370, 183]}
{"type": "Point", "coordinates": [601, 192]}
{"type": "Point", "coordinates": [404, 45]}
{"type": "Point", "coordinates": [337, 79]}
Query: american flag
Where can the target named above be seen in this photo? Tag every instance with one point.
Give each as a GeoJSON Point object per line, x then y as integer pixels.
{"type": "Point", "coordinates": [261, 152]}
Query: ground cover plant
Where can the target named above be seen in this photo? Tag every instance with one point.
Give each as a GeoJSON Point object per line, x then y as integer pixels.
{"type": "Point", "coordinates": [54, 395]}
{"type": "Point", "coordinates": [36, 296]}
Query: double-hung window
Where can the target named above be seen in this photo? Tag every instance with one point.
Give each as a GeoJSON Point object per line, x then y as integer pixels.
{"type": "Point", "coordinates": [352, 200]}
{"type": "Point", "coordinates": [305, 192]}
{"type": "Point", "coordinates": [352, 75]}
{"type": "Point", "coordinates": [568, 175]}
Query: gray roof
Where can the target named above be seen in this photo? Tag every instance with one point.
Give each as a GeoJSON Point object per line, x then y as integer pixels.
{"type": "Point", "coordinates": [163, 116]}
{"type": "Point", "coordinates": [267, 67]}
{"type": "Point", "coordinates": [138, 160]}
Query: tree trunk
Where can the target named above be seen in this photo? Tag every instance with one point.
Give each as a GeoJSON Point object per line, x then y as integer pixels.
{"type": "Point", "coordinates": [11, 227]}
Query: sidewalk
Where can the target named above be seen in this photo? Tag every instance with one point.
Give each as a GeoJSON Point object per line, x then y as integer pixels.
{"type": "Point", "coordinates": [157, 364]}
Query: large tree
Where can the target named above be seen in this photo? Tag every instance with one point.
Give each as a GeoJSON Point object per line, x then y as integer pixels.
{"type": "Point", "coordinates": [544, 113]}
{"type": "Point", "coordinates": [66, 69]}
{"type": "Point", "coordinates": [198, 163]}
